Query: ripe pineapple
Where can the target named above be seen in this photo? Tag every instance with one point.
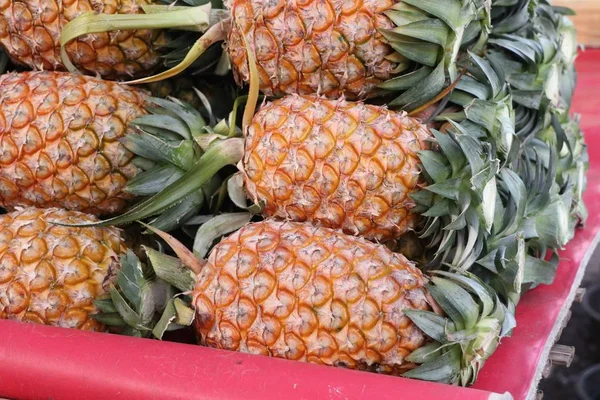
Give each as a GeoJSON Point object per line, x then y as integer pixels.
{"type": "Point", "coordinates": [61, 145]}
{"type": "Point", "coordinates": [295, 291]}
{"type": "Point", "coordinates": [30, 33]}
{"type": "Point", "coordinates": [327, 47]}
{"type": "Point", "coordinates": [51, 274]}
{"type": "Point", "coordinates": [335, 47]}
{"type": "Point", "coordinates": [344, 165]}
{"type": "Point", "coordinates": [60, 141]}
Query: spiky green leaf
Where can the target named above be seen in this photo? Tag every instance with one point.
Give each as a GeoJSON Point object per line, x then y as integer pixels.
{"type": "Point", "coordinates": [217, 227]}
{"type": "Point", "coordinates": [170, 269]}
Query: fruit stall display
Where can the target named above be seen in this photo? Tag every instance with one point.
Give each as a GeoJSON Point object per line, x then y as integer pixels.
{"type": "Point", "coordinates": [393, 190]}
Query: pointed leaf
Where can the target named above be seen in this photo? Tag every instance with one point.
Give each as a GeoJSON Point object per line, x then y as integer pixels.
{"type": "Point", "coordinates": [105, 305]}
{"type": "Point", "coordinates": [449, 188]}
{"type": "Point", "coordinates": [407, 81]}
{"type": "Point", "coordinates": [420, 52]}
{"type": "Point", "coordinates": [178, 153]}
{"type": "Point", "coordinates": [127, 313]}
{"type": "Point", "coordinates": [430, 323]}
{"type": "Point", "coordinates": [154, 180]}
{"type": "Point", "coordinates": [166, 122]}
{"type": "Point", "coordinates": [171, 270]}
{"type": "Point", "coordinates": [451, 150]}
{"type": "Point", "coordinates": [183, 253]}
{"type": "Point", "coordinates": [154, 295]}
{"type": "Point", "coordinates": [488, 203]}
{"type": "Point", "coordinates": [474, 152]}
{"type": "Point", "coordinates": [130, 277]}
{"type": "Point", "coordinates": [429, 30]}
{"type": "Point", "coordinates": [423, 91]}
{"type": "Point", "coordinates": [539, 271]}
{"type": "Point", "coordinates": [444, 369]}
{"type": "Point", "coordinates": [110, 319]}
{"type": "Point", "coordinates": [175, 216]}
{"type": "Point", "coordinates": [472, 284]}
{"type": "Point", "coordinates": [456, 302]}
{"type": "Point", "coordinates": [168, 316]}
{"type": "Point", "coordinates": [422, 197]}
{"type": "Point", "coordinates": [439, 209]}
{"type": "Point", "coordinates": [217, 227]}
{"type": "Point", "coordinates": [236, 191]}
{"type": "Point", "coordinates": [489, 72]}
{"type": "Point", "coordinates": [425, 353]}
{"type": "Point", "coordinates": [435, 165]}
{"type": "Point", "coordinates": [450, 13]}
{"type": "Point", "coordinates": [188, 114]}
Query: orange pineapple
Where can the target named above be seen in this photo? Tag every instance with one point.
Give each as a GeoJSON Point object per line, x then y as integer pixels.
{"type": "Point", "coordinates": [60, 141]}
{"type": "Point", "coordinates": [315, 46]}
{"type": "Point", "coordinates": [313, 294]}
{"type": "Point", "coordinates": [329, 47]}
{"type": "Point", "coordinates": [293, 291]}
{"type": "Point", "coordinates": [51, 274]}
{"type": "Point", "coordinates": [30, 33]}
{"type": "Point", "coordinates": [344, 165]}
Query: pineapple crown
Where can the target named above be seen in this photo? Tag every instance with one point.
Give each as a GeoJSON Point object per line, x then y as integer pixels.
{"type": "Point", "coordinates": [494, 219]}
{"type": "Point", "coordinates": [173, 146]}
{"type": "Point", "coordinates": [537, 61]}
{"type": "Point", "coordinates": [428, 40]}
{"type": "Point", "coordinates": [136, 300]}
{"type": "Point", "coordinates": [462, 341]}
{"type": "Point", "coordinates": [165, 155]}
{"type": "Point", "coordinates": [510, 16]}
{"type": "Point", "coordinates": [460, 198]}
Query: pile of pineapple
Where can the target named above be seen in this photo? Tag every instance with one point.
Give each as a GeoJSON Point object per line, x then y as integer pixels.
{"type": "Point", "coordinates": [384, 182]}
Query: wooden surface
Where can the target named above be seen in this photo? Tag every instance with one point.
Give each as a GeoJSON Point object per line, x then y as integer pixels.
{"type": "Point", "coordinates": [587, 19]}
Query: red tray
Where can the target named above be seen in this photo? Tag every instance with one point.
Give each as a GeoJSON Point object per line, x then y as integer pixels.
{"type": "Point", "coordinates": [44, 362]}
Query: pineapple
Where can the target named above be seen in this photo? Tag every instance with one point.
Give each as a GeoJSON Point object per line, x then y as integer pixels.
{"type": "Point", "coordinates": [60, 141]}
{"type": "Point", "coordinates": [30, 33]}
{"type": "Point", "coordinates": [51, 274]}
{"type": "Point", "coordinates": [343, 165]}
{"type": "Point", "coordinates": [326, 47]}
{"type": "Point", "coordinates": [297, 292]}
{"type": "Point", "coordinates": [61, 145]}
{"type": "Point", "coordinates": [332, 47]}
{"type": "Point", "coordinates": [313, 294]}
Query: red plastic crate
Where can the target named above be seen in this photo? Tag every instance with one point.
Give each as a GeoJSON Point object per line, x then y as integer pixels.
{"type": "Point", "coordinates": [44, 362]}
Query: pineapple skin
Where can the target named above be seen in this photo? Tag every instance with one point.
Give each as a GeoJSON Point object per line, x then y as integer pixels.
{"type": "Point", "coordinates": [30, 32]}
{"type": "Point", "coordinates": [59, 141]}
{"type": "Point", "coordinates": [295, 291]}
{"type": "Point", "coordinates": [330, 47]}
{"type": "Point", "coordinates": [51, 274]}
{"type": "Point", "coordinates": [343, 165]}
